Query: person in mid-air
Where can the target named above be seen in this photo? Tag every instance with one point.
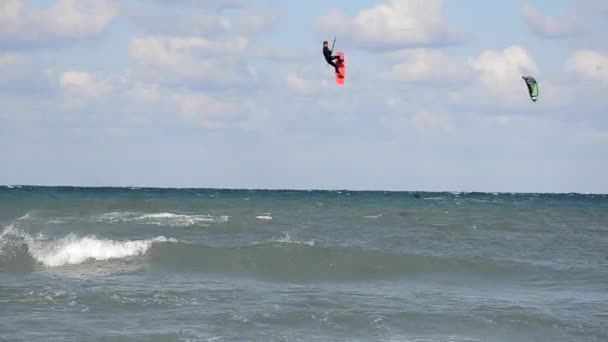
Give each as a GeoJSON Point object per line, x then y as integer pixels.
{"type": "Point", "coordinates": [330, 59]}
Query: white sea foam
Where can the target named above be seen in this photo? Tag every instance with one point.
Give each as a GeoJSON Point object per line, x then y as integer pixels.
{"type": "Point", "coordinates": [161, 219]}
{"type": "Point", "coordinates": [13, 229]}
{"type": "Point", "coordinates": [266, 217]}
{"type": "Point", "coordinates": [72, 249]}
{"type": "Point", "coordinates": [286, 239]}
{"type": "Point", "coordinates": [24, 217]}
{"type": "Point", "coordinates": [7, 230]}
{"type": "Point", "coordinates": [373, 216]}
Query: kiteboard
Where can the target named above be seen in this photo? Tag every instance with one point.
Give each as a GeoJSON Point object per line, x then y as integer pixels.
{"type": "Point", "coordinates": [341, 63]}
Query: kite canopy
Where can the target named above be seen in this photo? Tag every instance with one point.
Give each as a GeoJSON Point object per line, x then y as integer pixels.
{"type": "Point", "coordinates": [532, 87]}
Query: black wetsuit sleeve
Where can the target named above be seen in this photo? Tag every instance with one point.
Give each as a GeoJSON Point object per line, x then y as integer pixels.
{"type": "Point", "coordinates": [327, 53]}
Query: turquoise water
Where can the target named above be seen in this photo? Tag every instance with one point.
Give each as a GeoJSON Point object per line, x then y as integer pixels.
{"type": "Point", "coordinates": [126, 264]}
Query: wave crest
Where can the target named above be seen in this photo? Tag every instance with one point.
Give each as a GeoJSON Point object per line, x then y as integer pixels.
{"type": "Point", "coordinates": [72, 250]}
{"type": "Point", "coordinates": [161, 219]}
{"type": "Point", "coordinates": [17, 245]}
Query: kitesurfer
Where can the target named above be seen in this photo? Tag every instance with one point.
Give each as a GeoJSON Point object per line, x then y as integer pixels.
{"type": "Point", "coordinates": [329, 58]}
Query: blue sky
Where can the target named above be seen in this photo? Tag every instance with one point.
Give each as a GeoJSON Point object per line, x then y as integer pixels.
{"type": "Point", "coordinates": [235, 93]}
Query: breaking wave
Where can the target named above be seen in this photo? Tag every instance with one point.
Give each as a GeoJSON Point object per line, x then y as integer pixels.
{"type": "Point", "coordinates": [72, 249]}
{"type": "Point", "coordinates": [20, 249]}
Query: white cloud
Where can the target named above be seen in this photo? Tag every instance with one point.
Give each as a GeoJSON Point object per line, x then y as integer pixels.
{"type": "Point", "coordinates": [499, 73]}
{"type": "Point", "coordinates": [162, 47]}
{"type": "Point", "coordinates": [589, 65]}
{"type": "Point", "coordinates": [201, 21]}
{"type": "Point", "coordinates": [12, 67]}
{"type": "Point", "coordinates": [498, 84]}
{"type": "Point", "coordinates": [194, 58]}
{"type": "Point", "coordinates": [10, 60]}
{"type": "Point", "coordinates": [422, 124]}
{"type": "Point", "coordinates": [212, 3]}
{"type": "Point", "coordinates": [145, 92]}
{"type": "Point", "coordinates": [428, 66]}
{"type": "Point", "coordinates": [394, 24]}
{"type": "Point", "coordinates": [432, 124]}
{"type": "Point", "coordinates": [550, 27]}
{"type": "Point", "coordinates": [205, 111]}
{"type": "Point", "coordinates": [191, 24]}
{"type": "Point", "coordinates": [84, 84]}
{"type": "Point", "coordinates": [21, 73]}
{"type": "Point", "coordinates": [78, 89]}
{"type": "Point", "coordinates": [266, 20]}
{"type": "Point", "coordinates": [301, 85]}
{"type": "Point", "coordinates": [23, 24]}
{"type": "Point", "coordinates": [209, 112]}
{"type": "Point", "coordinates": [277, 54]}
{"type": "Point", "coordinates": [497, 67]}
{"type": "Point", "coordinates": [495, 85]}
{"type": "Point", "coordinates": [591, 136]}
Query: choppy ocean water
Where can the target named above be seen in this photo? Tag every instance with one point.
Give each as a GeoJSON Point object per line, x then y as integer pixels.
{"type": "Point", "coordinates": [127, 264]}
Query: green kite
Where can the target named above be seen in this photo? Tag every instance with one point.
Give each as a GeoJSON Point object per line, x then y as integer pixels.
{"type": "Point", "coordinates": [532, 87]}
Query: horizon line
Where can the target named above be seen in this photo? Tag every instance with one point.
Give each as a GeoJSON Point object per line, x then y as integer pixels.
{"type": "Point", "coordinates": [137, 187]}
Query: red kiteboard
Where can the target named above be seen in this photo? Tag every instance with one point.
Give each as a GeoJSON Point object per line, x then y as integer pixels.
{"type": "Point", "coordinates": [341, 63]}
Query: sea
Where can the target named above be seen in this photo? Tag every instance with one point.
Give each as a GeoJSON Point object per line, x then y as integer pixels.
{"type": "Point", "coordinates": [147, 264]}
